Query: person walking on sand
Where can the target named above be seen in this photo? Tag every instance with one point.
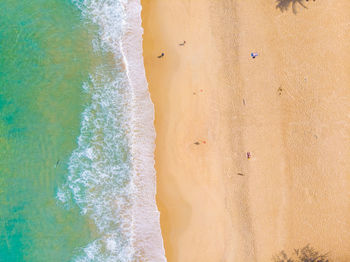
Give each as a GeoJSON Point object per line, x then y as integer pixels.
{"type": "Point", "coordinates": [249, 155]}
{"type": "Point", "coordinates": [254, 54]}
{"type": "Point", "coordinates": [182, 44]}
{"type": "Point", "coordinates": [161, 55]}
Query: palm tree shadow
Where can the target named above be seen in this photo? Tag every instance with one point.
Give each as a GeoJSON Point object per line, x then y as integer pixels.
{"type": "Point", "coordinates": [283, 5]}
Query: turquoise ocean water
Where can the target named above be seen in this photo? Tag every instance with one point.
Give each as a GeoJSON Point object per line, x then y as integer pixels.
{"type": "Point", "coordinates": [76, 134]}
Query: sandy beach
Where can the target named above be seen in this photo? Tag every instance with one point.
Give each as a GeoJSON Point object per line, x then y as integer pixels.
{"type": "Point", "coordinates": [289, 108]}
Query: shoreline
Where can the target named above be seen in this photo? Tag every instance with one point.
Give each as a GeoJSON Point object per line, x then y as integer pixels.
{"type": "Point", "coordinates": [145, 214]}
{"type": "Point", "coordinates": [288, 108]}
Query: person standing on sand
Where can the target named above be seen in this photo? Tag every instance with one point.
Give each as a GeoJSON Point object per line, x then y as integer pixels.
{"type": "Point", "coordinates": [161, 55]}
{"type": "Point", "coordinates": [182, 44]}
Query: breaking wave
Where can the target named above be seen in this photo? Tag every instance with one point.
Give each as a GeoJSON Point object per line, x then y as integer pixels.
{"type": "Point", "coordinates": [111, 172]}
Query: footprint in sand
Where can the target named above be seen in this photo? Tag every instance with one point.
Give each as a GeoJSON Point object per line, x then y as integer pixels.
{"type": "Point", "coordinates": [279, 90]}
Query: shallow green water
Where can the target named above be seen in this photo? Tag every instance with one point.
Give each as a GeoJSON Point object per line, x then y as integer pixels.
{"type": "Point", "coordinates": [45, 56]}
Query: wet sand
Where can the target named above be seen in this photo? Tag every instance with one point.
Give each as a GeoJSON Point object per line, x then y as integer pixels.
{"type": "Point", "coordinates": [289, 107]}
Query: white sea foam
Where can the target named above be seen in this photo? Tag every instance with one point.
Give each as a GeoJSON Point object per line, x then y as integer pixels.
{"type": "Point", "coordinates": [111, 173]}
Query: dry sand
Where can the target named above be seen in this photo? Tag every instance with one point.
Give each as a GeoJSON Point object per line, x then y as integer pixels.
{"type": "Point", "coordinates": [289, 107]}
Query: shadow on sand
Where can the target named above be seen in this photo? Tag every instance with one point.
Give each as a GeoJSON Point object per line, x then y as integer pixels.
{"type": "Point", "coordinates": [283, 5]}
